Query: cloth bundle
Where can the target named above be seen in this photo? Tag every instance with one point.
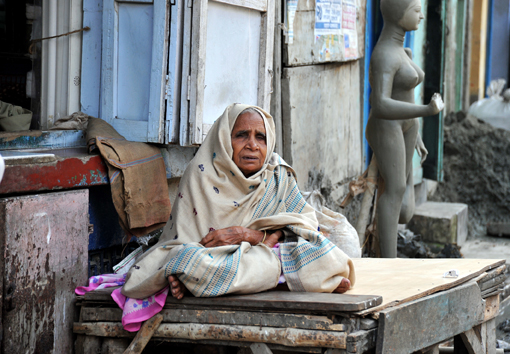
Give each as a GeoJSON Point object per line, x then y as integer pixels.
{"type": "Point", "coordinates": [14, 118]}
{"type": "Point", "coordinates": [137, 178]}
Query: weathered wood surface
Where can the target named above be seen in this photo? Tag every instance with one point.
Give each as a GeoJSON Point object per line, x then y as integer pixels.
{"type": "Point", "coordinates": [244, 346]}
{"type": "Point", "coordinates": [44, 242]}
{"type": "Point", "coordinates": [269, 301]}
{"type": "Point", "coordinates": [260, 5]}
{"type": "Point", "coordinates": [98, 314]}
{"type": "Point", "coordinates": [361, 341]}
{"type": "Point", "coordinates": [484, 277]}
{"type": "Point", "coordinates": [412, 278]}
{"type": "Point", "coordinates": [283, 336]}
{"type": "Point", "coordinates": [493, 283]}
{"type": "Point", "coordinates": [144, 335]}
{"type": "Point", "coordinates": [475, 339]}
{"type": "Point", "coordinates": [491, 307]}
{"type": "Point", "coordinates": [421, 323]}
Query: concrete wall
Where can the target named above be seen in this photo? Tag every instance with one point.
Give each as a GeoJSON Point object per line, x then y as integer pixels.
{"type": "Point", "coordinates": [322, 126]}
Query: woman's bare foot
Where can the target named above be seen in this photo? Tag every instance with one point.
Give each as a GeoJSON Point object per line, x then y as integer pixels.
{"type": "Point", "coordinates": [176, 287]}
{"type": "Point", "coordinates": [345, 285]}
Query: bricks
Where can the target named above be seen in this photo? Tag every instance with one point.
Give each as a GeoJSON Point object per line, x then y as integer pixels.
{"type": "Point", "coordinates": [441, 222]}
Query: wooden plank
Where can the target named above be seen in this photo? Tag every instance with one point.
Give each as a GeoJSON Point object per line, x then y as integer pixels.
{"type": "Point", "coordinates": [290, 337]}
{"type": "Point", "coordinates": [243, 345]}
{"type": "Point", "coordinates": [259, 5]}
{"type": "Point", "coordinates": [144, 335]}
{"type": "Point", "coordinates": [174, 79]}
{"type": "Point", "coordinates": [59, 139]}
{"type": "Point", "coordinates": [266, 73]}
{"type": "Point", "coordinates": [474, 339]}
{"type": "Point", "coordinates": [276, 96]}
{"type": "Point", "coordinates": [421, 323]}
{"type": "Point", "coordinates": [197, 71]}
{"type": "Point", "coordinates": [270, 301]}
{"type": "Point", "coordinates": [491, 274]}
{"type": "Point", "coordinates": [478, 49]}
{"type": "Point", "coordinates": [186, 76]}
{"type": "Point", "coordinates": [100, 314]}
{"type": "Point", "coordinates": [160, 32]}
{"type": "Point", "coordinates": [361, 341]}
{"type": "Point", "coordinates": [491, 336]}
{"type": "Point", "coordinates": [412, 278]}
{"type": "Point", "coordinates": [91, 57]}
{"type": "Point", "coordinates": [283, 300]}
{"type": "Point", "coordinates": [494, 282]}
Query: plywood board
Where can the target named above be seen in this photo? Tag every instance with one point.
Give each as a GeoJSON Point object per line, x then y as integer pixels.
{"type": "Point", "coordinates": [402, 280]}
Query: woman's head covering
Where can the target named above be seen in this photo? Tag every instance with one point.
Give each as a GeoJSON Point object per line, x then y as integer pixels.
{"type": "Point", "coordinates": [394, 10]}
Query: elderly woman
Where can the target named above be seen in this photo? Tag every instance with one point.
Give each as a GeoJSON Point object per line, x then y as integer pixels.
{"type": "Point", "coordinates": [239, 222]}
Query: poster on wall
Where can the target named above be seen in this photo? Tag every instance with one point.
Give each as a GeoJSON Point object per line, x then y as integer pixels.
{"type": "Point", "coordinates": [349, 28]}
{"type": "Point", "coordinates": [328, 27]}
{"type": "Point", "coordinates": [291, 13]}
{"type": "Point", "coordinates": [321, 31]}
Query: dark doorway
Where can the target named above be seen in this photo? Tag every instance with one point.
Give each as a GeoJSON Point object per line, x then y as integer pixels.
{"type": "Point", "coordinates": [20, 21]}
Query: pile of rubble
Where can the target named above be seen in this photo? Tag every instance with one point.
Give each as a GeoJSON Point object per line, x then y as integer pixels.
{"type": "Point", "coordinates": [476, 170]}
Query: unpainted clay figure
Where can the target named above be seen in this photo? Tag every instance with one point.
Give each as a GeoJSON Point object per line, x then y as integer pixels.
{"type": "Point", "coordinates": [392, 129]}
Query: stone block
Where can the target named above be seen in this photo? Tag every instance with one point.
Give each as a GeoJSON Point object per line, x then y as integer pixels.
{"type": "Point", "coordinates": [441, 222]}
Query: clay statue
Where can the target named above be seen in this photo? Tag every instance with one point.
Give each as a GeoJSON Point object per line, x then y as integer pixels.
{"type": "Point", "coordinates": [392, 129]}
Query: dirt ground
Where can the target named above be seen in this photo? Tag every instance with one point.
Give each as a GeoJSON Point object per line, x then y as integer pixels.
{"type": "Point", "coordinates": [476, 170]}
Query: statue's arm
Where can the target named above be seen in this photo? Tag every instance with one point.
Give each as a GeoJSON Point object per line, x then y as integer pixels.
{"type": "Point", "coordinates": [385, 107]}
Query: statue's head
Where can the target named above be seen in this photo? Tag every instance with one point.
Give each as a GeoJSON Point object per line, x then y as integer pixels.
{"type": "Point", "coordinates": [405, 13]}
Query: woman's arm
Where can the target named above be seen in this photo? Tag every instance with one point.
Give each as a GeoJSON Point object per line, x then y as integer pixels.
{"type": "Point", "coordinates": [236, 234]}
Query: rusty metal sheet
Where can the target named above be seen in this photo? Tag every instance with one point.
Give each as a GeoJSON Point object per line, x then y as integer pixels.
{"type": "Point", "coordinates": [69, 172]}
{"type": "Point", "coordinates": [44, 240]}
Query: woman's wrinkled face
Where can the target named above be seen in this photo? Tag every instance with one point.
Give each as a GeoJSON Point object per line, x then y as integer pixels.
{"type": "Point", "coordinates": [412, 16]}
{"type": "Point", "coordinates": [249, 143]}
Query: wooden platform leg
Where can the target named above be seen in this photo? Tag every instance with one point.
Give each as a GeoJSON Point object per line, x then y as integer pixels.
{"type": "Point", "coordinates": [87, 344]}
{"type": "Point", "coordinates": [491, 336]}
{"type": "Point", "coordinates": [479, 339]}
{"type": "Point", "coordinates": [260, 348]}
{"type": "Point", "coordinates": [144, 335]}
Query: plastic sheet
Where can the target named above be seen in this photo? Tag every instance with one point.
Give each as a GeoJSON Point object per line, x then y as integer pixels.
{"type": "Point", "coordinates": [495, 109]}
{"type": "Point", "coordinates": [334, 226]}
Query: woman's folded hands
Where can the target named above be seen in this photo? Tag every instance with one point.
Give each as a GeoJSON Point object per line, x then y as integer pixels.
{"type": "Point", "coordinates": [234, 235]}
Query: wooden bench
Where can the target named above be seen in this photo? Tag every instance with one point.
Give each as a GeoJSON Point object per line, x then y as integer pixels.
{"type": "Point", "coordinates": [463, 309]}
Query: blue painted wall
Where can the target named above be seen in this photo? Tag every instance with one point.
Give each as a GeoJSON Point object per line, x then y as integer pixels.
{"type": "Point", "coordinates": [498, 41]}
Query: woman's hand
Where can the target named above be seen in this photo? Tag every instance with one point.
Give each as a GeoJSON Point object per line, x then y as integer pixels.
{"type": "Point", "coordinates": [224, 237]}
{"type": "Point", "coordinates": [436, 104]}
{"type": "Point", "coordinates": [236, 234]}
{"type": "Point", "coordinates": [420, 148]}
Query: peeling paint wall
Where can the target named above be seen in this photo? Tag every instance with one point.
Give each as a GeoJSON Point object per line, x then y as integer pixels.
{"type": "Point", "coordinates": [44, 243]}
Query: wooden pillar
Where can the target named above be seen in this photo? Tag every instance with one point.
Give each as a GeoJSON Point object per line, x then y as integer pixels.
{"type": "Point", "coordinates": [478, 49]}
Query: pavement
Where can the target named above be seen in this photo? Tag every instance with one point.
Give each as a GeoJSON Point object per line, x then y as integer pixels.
{"type": "Point", "coordinates": [487, 247]}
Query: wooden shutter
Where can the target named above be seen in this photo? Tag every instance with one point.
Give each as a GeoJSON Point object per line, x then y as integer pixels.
{"type": "Point", "coordinates": [133, 70]}
{"type": "Point", "coordinates": [227, 58]}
